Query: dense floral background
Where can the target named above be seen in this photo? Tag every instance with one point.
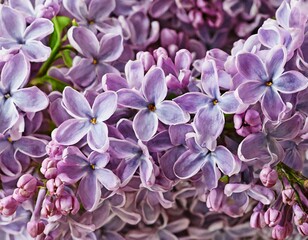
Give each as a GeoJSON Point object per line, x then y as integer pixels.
{"type": "Point", "coordinates": [153, 119]}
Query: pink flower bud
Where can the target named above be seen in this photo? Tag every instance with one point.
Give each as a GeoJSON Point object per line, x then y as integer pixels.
{"type": "Point", "coordinates": [247, 123]}
{"type": "Point", "coordinates": [35, 228]}
{"type": "Point", "coordinates": [49, 168]}
{"type": "Point", "coordinates": [67, 203]}
{"type": "Point", "coordinates": [54, 150]}
{"type": "Point", "coordinates": [268, 177]}
{"type": "Point", "coordinates": [288, 196]}
{"type": "Point", "coordinates": [257, 220]}
{"type": "Point", "coordinates": [26, 186]}
{"type": "Point", "coordinates": [8, 206]}
{"type": "Point", "coordinates": [272, 217]}
{"type": "Point", "coordinates": [300, 216]}
{"type": "Point", "coordinates": [53, 184]}
{"type": "Point", "coordinates": [303, 229]}
{"type": "Point", "coordinates": [281, 232]}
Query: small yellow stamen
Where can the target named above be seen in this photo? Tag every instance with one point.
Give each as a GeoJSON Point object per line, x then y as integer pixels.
{"type": "Point", "coordinates": [10, 139]}
{"type": "Point", "coordinates": [7, 95]}
{"type": "Point", "coordinates": [91, 22]}
{"type": "Point", "coordinates": [151, 107]}
{"type": "Point", "coordinates": [269, 83]}
{"type": "Point", "coordinates": [215, 101]}
{"type": "Point", "coordinates": [93, 166]}
{"type": "Point", "coordinates": [93, 121]}
{"type": "Point", "coordinates": [94, 61]}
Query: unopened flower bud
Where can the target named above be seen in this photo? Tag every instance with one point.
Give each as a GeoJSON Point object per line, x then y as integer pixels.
{"type": "Point", "coordinates": [8, 206]}
{"type": "Point", "coordinates": [268, 177]}
{"type": "Point", "coordinates": [49, 168]}
{"type": "Point", "coordinates": [257, 220]}
{"type": "Point", "coordinates": [272, 217]}
{"type": "Point", "coordinates": [300, 216]}
{"type": "Point", "coordinates": [26, 186]}
{"type": "Point", "coordinates": [67, 203]}
{"type": "Point", "coordinates": [282, 232]}
{"type": "Point", "coordinates": [247, 123]}
{"type": "Point", "coordinates": [288, 196]}
{"type": "Point", "coordinates": [35, 228]}
{"type": "Point", "coordinates": [303, 229]}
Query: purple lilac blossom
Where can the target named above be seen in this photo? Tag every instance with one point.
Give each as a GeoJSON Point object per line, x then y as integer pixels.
{"type": "Point", "coordinates": [150, 131]}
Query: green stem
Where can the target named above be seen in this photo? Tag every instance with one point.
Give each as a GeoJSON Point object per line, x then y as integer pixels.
{"type": "Point", "coordinates": [46, 65]}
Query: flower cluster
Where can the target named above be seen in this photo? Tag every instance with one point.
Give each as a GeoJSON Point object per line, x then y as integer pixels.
{"type": "Point", "coordinates": [152, 119]}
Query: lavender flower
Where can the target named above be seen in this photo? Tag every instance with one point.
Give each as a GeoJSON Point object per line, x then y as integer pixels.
{"type": "Point", "coordinates": [26, 39]}
{"type": "Point", "coordinates": [86, 121]}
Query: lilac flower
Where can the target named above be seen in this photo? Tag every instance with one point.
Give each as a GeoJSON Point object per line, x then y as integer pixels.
{"type": "Point", "coordinates": [95, 55]}
{"type": "Point", "coordinates": [133, 154]}
{"type": "Point", "coordinates": [198, 158]}
{"type": "Point", "coordinates": [86, 121]}
{"type": "Point", "coordinates": [15, 153]}
{"type": "Point", "coordinates": [91, 171]}
{"type": "Point", "coordinates": [151, 105]}
{"type": "Point", "coordinates": [43, 8]}
{"type": "Point", "coordinates": [264, 81]}
{"type": "Point", "coordinates": [13, 77]}
{"type": "Point", "coordinates": [90, 14]}
{"type": "Point", "coordinates": [209, 108]}
{"type": "Point", "coordinates": [264, 147]}
{"type": "Point", "coordinates": [27, 39]}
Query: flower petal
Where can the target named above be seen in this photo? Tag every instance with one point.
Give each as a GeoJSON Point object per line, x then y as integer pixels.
{"type": "Point", "coordinates": [84, 41]}
{"type": "Point", "coordinates": [83, 73]}
{"type": "Point", "coordinates": [105, 105]}
{"type": "Point", "coordinates": [72, 131]}
{"type": "Point", "coordinates": [154, 86]}
{"type": "Point", "coordinates": [211, 173]}
{"type": "Point", "coordinates": [31, 146]}
{"type": "Point", "coordinates": [224, 159]}
{"type": "Point", "coordinates": [170, 113]}
{"type": "Point", "coordinates": [275, 61]}
{"type": "Point", "coordinates": [209, 123]}
{"type": "Point", "coordinates": [15, 73]}
{"type": "Point", "coordinates": [251, 91]}
{"type": "Point", "coordinates": [100, 9]}
{"type": "Point", "coordinates": [146, 171]}
{"type": "Point", "coordinates": [254, 147]}
{"type": "Point", "coordinates": [98, 137]}
{"type": "Point", "coordinates": [76, 8]}
{"type": "Point", "coordinates": [111, 47]}
{"type": "Point", "coordinates": [38, 29]}
{"type": "Point", "coordinates": [122, 149]}
{"type": "Point", "coordinates": [209, 79]}
{"type": "Point", "coordinates": [35, 51]}
{"type": "Point", "coordinates": [107, 178]}
{"type": "Point", "coordinates": [189, 164]}
{"type": "Point", "coordinates": [192, 102]}
{"type": "Point", "coordinates": [251, 67]}
{"type": "Point", "coordinates": [8, 115]}
{"type": "Point", "coordinates": [145, 124]}
{"type": "Point", "coordinates": [127, 168]}
{"type": "Point", "coordinates": [76, 104]}
{"type": "Point", "coordinates": [13, 22]}
{"type": "Point", "coordinates": [131, 98]}
{"type": "Point", "coordinates": [228, 103]}
{"type": "Point", "coordinates": [113, 82]}
{"type": "Point", "coordinates": [30, 99]}
{"type": "Point", "coordinates": [272, 104]}
{"type": "Point", "coordinates": [89, 199]}
{"type": "Point", "coordinates": [291, 82]}
{"type": "Point", "coordinates": [134, 73]}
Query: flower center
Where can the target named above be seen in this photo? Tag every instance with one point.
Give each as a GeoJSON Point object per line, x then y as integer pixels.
{"type": "Point", "coordinates": [9, 139]}
{"type": "Point", "coordinates": [94, 61]}
{"type": "Point", "coordinates": [7, 95]}
{"type": "Point", "coordinates": [215, 101]}
{"type": "Point", "coordinates": [92, 166]}
{"type": "Point", "coordinates": [151, 107]}
{"type": "Point", "coordinates": [269, 83]}
{"type": "Point", "coordinates": [93, 121]}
